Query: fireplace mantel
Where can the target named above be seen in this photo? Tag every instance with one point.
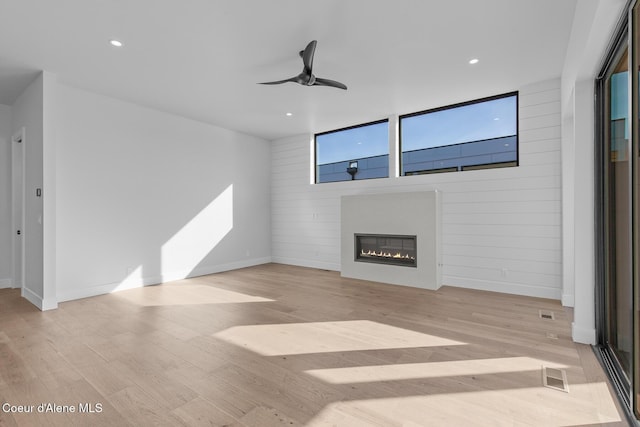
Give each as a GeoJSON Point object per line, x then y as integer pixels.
{"type": "Point", "coordinates": [412, 213]}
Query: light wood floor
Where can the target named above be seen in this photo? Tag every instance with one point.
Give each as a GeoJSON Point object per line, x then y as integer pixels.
{"type": "Point", "coordinates": [279, 345]}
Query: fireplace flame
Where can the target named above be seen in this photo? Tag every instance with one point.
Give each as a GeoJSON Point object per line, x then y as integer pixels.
{"type": "Point", "coordinates": [382, 254]}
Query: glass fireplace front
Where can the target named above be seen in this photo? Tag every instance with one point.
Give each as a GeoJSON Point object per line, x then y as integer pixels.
{"type": "Point", "coordinates": [386, 249]}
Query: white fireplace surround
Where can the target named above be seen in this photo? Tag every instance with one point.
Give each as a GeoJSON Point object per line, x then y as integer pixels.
{"type": "Point", "coordinates": [414, 213]}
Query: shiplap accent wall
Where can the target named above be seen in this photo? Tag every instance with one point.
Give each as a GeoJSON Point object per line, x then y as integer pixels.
{"type": "Point", "coordinates": [501, 227]}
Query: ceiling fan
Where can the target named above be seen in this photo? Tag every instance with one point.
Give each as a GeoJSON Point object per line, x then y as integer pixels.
{"type": "Point", "coordinates": [306, 78]}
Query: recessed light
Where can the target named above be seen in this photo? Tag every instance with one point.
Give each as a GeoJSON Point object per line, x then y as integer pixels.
{"type": "Point", "coordinates": [289, 114]}
{"type": "Point", "coordinates": [474, 61]}
{"type": "Point", "coordinates": [115, 43]}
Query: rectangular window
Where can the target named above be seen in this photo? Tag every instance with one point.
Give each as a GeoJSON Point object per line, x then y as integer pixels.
{"type": "Point", "coordinates": [474, 135]}
{"type": "Point", "coordinates": [357, 152]}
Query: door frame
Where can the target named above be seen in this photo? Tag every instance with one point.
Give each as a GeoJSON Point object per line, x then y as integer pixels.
{"type": "Point", "coordinates": [18, 141]}
{"type": "Point", "coordinates": [627, 387]}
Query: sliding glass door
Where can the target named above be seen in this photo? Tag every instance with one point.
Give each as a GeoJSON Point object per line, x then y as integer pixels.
{"type": "Point", "coordinates": [617, 214]}
{"type": "Point", "coordinates": [617, 197]}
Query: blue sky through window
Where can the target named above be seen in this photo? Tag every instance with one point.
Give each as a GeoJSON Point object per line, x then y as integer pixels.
{"type": "Point", "coordinates": [619, 98]}
{"type": "Point", "coordinates": [355, 143]}
{"type": "Point", "coordinates": [473, 122]}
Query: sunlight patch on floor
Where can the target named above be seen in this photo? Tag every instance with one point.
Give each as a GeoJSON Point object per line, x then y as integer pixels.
{"type": "Point", "coordinates": [406, 371]}
{"type": "Point", "coordinates": [325, 337]}
{"type": "Point", "coordinates": [586, 404]}
{"type": "Point", "coordinates": [163, 295]}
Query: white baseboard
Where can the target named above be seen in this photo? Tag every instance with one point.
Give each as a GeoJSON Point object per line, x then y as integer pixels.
{"type": "Point", "coordinates": [203, 271]}
{"type": "Point", "coordinates": [92, 291]}
{"type": "Point", "coordinates": [5, 283]}
{"type": "Point", "coordinates": [307, 263]}
{"type": "Point", "coordinates": [568, 300]}
{"type": "Point", "coordinates": [139, 282]}
{"type": "Point", "coordinates": [49, 304]}
{"type": "Point", "coordinates": [583, 335]}
{"type": "Point", "coordinates": [35, 299]}
{"type": "Point", "coordinates": [504, 287]}
{"type": "Point", "coordinates": [32, 297]}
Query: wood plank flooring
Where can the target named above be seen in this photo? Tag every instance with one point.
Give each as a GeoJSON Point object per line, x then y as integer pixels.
{"type": "Point", "coordinates": [277, 345]}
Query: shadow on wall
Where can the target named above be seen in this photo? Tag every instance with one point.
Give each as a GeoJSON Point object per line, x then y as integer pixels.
{"type": "Point", "coordinates": [180, 256]}
{"type": "Point", "coordinates": [191, 244]}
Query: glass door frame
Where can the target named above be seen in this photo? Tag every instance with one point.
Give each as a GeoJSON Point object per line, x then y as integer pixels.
{"type": "Point", "coordinates": [627, 36]}
{"type": "Point", "coordinates": [634, 114]}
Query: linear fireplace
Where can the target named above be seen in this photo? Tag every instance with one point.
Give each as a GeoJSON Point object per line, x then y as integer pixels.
{"type": "Point", "coordinates": [376, 215]}
{"type": "Point", "coordinates": [386, 249]}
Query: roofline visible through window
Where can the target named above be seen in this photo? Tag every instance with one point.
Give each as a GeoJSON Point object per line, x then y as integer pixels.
{"type": "Point", "coordinates": [460, 104]}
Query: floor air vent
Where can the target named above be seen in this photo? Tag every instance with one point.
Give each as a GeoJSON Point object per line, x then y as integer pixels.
{"type": "Point", "coordinates": [546, 314]}
{"type": "Point", "coordinates": [555, 379]}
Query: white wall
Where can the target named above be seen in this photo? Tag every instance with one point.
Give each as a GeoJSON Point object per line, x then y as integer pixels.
{"type": "Point", "coordinates": [49, 197]}
{"type": "Point", "coordinates": [145, 197]}
{"type": "Point", "coordinates": [593, 27]}
{"type": "Point", "coordinates": [501, 227]}
{"type": "Point", "coordinates": [5, 196]}
{"type": "Point", "coordinates": [28, 113]}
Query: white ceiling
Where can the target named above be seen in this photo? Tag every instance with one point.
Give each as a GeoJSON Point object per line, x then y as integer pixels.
{"type": "Point", "coordinates": [202, 58]}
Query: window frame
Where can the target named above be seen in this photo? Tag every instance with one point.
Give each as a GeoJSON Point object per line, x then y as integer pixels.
{"type": "Point", "coordinates": [485, 166]}
{"type": "Point", "coordinates": [315, 149]}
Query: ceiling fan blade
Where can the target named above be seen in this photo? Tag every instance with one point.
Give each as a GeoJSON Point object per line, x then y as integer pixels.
{"type": "Point", "coordinates": [327, 82]}
{"type": "Point", "coordinates": [306, 78]}
{"type": "Point", "coordinates": [307, 56]}
{"type": "Point", "coordinates": [292, 79]}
